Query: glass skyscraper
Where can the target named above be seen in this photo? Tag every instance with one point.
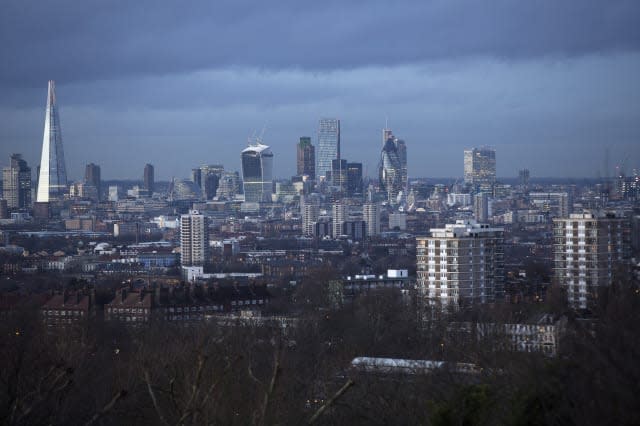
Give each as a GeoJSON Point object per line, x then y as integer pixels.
{"type": "Point", "coordinates": [52, 181]}
{"type": "Point", "coordinates": [480, 167]}
{"type": "Point", "coordinates": [257, 173]}
{"type": "Point", "coordinates": [328, 145]}
{"type": "Point", "coordinates": [306, 158]}
{"type": "Point", "coordinates": [393, 166]}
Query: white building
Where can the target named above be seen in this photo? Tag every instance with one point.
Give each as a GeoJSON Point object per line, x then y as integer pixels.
{"type": "Point", "coordinates": [461, 263]}
{"type": "Point", "coordinates": [339, 216]}
{"type": "Point", "coordinates": [309, 212]}
{"type": "Point", "coordinates": [194, 239]}
{"type": "Point", "coordinates": [371, 215]}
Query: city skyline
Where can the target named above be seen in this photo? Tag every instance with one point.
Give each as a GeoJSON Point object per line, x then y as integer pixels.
{"type": "Point", "coordinates": [527, 88]}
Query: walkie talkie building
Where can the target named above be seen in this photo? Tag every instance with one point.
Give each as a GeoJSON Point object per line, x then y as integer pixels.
{"type": "Point", "coordinates": [257, 173]}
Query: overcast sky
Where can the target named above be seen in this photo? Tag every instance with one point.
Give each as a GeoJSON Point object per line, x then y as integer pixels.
{"type": "Point", "coordinates": [550, 84]}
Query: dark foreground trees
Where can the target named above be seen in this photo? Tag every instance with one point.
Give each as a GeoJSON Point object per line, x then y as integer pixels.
{"type": "Point", "coordinates": [170, 374]}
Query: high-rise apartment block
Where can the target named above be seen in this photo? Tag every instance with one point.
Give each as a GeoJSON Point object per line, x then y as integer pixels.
{"type": "Point", "coordinates": [309, 212]}
{"type": "Point", "coordinates": [481, 207]}
{"type": "Point", "coordinates": [328, 145]}
{"type": "Point", "coordinates": [306, 158]}
{"type": "Point", "coordinates": [149, 178]}
{"type": "Point", "coordinates": [462, 263]}
{"type": "Point", "coordinates": [371, 216]}
{"type": "Point", "coordinates": [257, 169]}
{"type": "Point", "coordinates": [92, 177]}
{"type": "Point", "coordinates": [480, 167]}
{"type": "Point", "coordinates": [588, 247]}
{"type": "Point", "coordinates": [339, 217]}
{"type": "Point", "coordinates": [52, 180]}
{"type": "Point", "coordinates": [194, 239]}
{"type": "Point", "coordinates": [16, 183]}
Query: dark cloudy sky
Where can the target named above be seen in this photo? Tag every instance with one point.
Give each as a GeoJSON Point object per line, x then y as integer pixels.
{"type": "Point", "coordinates": [550, 84]}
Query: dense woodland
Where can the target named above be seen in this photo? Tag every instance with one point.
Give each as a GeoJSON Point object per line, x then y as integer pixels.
{"type": "Point", "coordinates": [104, 373]}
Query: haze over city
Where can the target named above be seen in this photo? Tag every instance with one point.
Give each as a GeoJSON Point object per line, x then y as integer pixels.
{"type": "Point", "coordinates": [550, 86]}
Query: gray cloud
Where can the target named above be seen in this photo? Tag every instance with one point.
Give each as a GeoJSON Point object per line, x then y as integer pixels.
{"type": "Point", "coordinates": [554, 117]}
{"type": "Point", "coordinates": [73, 40]}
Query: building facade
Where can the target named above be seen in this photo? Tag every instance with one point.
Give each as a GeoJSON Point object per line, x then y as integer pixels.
{"type": "Point", "coordinates": [371, 215]}
{"type": "Point", "coordinates": [309, 212]}
{"type": "Point", "coordinates": [149, 178]}
{"type": "Point", "coordinates": [306, 158]}
{"type": "Point", "coordinates": [480, 167]}
{"type": "Point", "coordinates": [587, 249]}
{"type": "Point", "coordinates": [257, 169]}
{"type": "Point", "coordinates": [52, 180]}
{"type": "Point", "coordinates": [328, 145]}
{"type": "Point", "coordinates": [92, 177]}
{"type": "Point", "coordinates": [462, 263]}
{"type": "Point", "coordinates": [16, 183]}
{"type": "Point", "coordinates": [194, 239]}
{"type": "Point", "coordinates": [392, 171]}
{"type": "Point", "coordinates": [338, 216]}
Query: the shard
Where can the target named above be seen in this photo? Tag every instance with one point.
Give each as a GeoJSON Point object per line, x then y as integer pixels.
{"type": "Point", "coordinates": [52, 181]}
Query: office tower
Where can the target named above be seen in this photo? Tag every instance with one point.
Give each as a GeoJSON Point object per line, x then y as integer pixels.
{"type": "Point", "coordinates": [462, 263]}
{"type": "Point", "coordinates": [306, 158]}
{"type": "Point", "coordinates": [328, 145]}
{"type": "Point", "coordinates": [339, 216]}
{"type": "Point", "coordinates": [210, 179]}
{"type": "Point", "coordinates": [523, 178]}
{"type": "Point", "coordinates": [393, 167]}
{"type": "Point", "coordinates": [228, 185]}
{"type": "Point", "coordinates": [184, 189]}
{"type": "Point", "coordinates": [257, 167]}
{"type": "Point", "coordinates": [371, 215]}
{"type": "Point", "coordinates": [354, 179]}
{"type": "Point", "coordinates": [16, 183]}
{"type": "Point", "coordinates": [481, 207]}
{"type": "Point", "coordinates": [92, 177]}
{"type": "Point", "coordinates": [556, 204]}
{"type": "Point", "coordinates": [196, 176]}
{"type": "Point", "coordinates": [339, 174]}
{"type": "Point", "coordinates": [587, 248]}
{"type": "Point", "coordinates": [149, 178]}
{"type": "Point", "coordinates": [480, 167]}
{"type": "Point", "coordinates": [52, 180]}
{"type": "Point", "coordinates": [194, 239]}
{"type": "Point", "coordinates": [309, 212]}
